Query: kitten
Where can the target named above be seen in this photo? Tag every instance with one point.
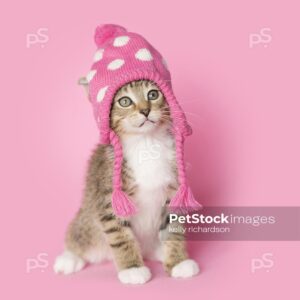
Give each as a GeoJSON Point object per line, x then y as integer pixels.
{"type": "Point", "coordinates": [140, 117]}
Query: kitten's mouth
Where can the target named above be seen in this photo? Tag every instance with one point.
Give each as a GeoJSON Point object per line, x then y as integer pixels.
{"type": "Point", "coordinates": [145, 122]}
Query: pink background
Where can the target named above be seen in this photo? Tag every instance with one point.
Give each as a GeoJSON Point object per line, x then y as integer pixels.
{"type": "Point", "coordinates": [243, 104]}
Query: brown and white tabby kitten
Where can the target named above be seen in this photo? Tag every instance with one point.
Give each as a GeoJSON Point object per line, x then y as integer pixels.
{"type": "Point", "coordinates": [140, 116]}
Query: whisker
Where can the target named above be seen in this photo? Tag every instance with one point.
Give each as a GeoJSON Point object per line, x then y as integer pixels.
{"type": "Point", "coordinates": [189, 113]}
{"type": "Point", "coordinates": [177, 118]}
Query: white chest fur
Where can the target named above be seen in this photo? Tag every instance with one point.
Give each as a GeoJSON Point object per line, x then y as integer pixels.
{"type": "Point", "coordinates": [150, 157]}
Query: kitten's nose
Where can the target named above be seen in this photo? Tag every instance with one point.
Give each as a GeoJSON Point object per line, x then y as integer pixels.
{"type": "Point", "coordinates": [145, 111]}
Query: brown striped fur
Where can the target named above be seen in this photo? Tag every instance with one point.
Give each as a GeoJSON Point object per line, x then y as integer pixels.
{"type": "Point", "coordinates": [95, 226]}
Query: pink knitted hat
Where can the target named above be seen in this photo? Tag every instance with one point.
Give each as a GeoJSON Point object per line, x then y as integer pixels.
{"type": "Point", "coordinates": [122, 57]}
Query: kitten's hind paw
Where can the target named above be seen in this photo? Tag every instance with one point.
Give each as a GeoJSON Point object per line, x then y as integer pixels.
{"type": "Point", "coordinates": [68, 263]}
{"type": "Point", "coordinates": [135, 275]}
{"type": "Point", "coordinates": [185, 269]}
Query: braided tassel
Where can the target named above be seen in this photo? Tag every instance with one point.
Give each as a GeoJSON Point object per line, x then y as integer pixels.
{"type": "Point", "coordinates": [121, 204]}
{"type": "Point", "coordinates": [184, 200]}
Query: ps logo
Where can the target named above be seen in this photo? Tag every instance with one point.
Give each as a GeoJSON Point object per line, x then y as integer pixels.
{"type": "Point", "coordinates": [265, 262]}
{"type": "Point", "coordinates": [263, 37]}
{"type": "Point", "coordinates": [40, 37]}
{"type": "Point", "coordinates": [40, 262]}
{"type": "Point", "coordinates": [152, 153]}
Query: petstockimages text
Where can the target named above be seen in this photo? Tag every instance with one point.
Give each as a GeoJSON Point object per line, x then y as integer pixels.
{"type": "Point", "coordinates": [221, 219]}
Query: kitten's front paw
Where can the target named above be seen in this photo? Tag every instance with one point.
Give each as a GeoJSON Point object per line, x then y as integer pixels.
{"type": "Point", "coordinates": [68, 263]}
{"type": "Point", "coordinates": [135, 275]}
{"type": "Point", "coordinates": [185, 269]}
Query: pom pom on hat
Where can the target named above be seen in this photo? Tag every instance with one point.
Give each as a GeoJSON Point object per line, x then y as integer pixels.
{"type": "Point", "coordinates": [104, 32]}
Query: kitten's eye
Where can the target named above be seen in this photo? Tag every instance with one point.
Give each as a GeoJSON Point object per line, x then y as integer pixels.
{"type": "Point", "coordinates": [125, 102]}
{"type": "Point", "coordinates": [153, 95]}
